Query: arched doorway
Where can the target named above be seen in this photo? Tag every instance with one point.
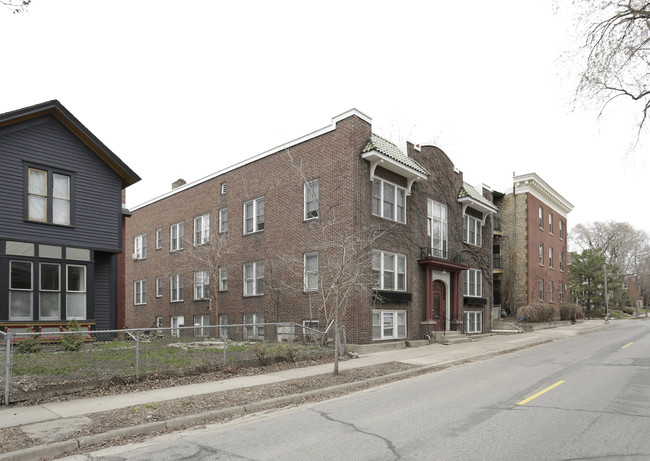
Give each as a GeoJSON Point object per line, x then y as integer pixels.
{"type": "Point", "coordinates": [438, 304]}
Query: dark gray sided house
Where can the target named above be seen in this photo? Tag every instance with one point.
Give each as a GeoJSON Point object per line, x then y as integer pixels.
{"type": "Point", "coordinates": [61, 223]}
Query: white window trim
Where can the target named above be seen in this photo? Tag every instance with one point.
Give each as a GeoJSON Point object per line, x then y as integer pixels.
{"type": "Point", "coordinates": [396, 314]}
{"type": "Point", "coordinates": [310, 277]}
{"type": "Point", "coordinates": [478, 283]}
{"type": "Point", "coordinates": [257, 331]}
{"type": "Point", "coordinates": [29, 290]}
{"type": "Point", "coordinates": [475, 326]}
{"type": "Point", "coordinates": [382, 259]}
{"type": "Point", "coordinates": [202, 234]}
{"type": "Point", "coordinates": [468, 223]}
{"type": "Point", "coordinates": [140, 247]}
{"type": "Point", "coordinates": [159, 287]}
{"type": "Point", "coordinates": [541, 218]}
{"type": "Point", "coordinates": [140, 291]}
{"type": "Point", "coordinates": [176, 280]}
{"type": "Point", "coordinates": [541, 254]}
{"type": "Point", "coordinates": [382, 199]}
{"type": "Point", "coordinates": [443, 220]}
{"type": "Point", "coordinates": [311, 191]}
{"type": "Point", "coordinates": [550, 257]}
{"type": "Point", "coordinates": [223, 220]}
{"type": "Point", "coordinates": [158, 239]}
{"type": "Point", "coordinates": [541, 290]}
{"type": "Point", "coordinates": [176, 235]}
{"type": "Point", "coordinates": [201, 285]}
{"type": "Point", "coordinates": [223, 279]}
{"type": "Point", "coordinates": [256, 278]}
{"type": "Point", "coordinates": [550, 291]}
{"type": "Point", "coordinates": [258, 226]}
{"type": "Point", "coordinates": [550, 223]}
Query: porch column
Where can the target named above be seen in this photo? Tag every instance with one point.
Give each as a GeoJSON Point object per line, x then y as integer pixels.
{"type": "Point", "coordinates": [427, 293]}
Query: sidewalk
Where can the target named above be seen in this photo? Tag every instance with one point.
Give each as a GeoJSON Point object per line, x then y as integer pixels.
{"type": "Point", "coordinates": [29, 418]}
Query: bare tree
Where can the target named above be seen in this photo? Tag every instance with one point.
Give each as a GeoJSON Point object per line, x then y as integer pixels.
{"type": "Point", "coordinates": [16, 6]}
{"type": "Point", "coordinates": [618, 241]}
{"type": "Point", "coordinates": [616, 38]}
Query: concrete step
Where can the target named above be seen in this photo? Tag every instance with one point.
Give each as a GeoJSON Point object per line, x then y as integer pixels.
{"type": "Point", "coordinates": [451, 337]}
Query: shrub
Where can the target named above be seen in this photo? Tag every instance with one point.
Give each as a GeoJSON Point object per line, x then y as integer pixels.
{"type": "Point", "coordinates": [571, 312]}
{"type": "Point", "coordinates": [29, 344]}
{"type": "Point", "coordinates": [74, 341]}
{"type": "Point", "coordinates": [628, 310]}
{"type": "Point", "coordinates": [537, 313]}
{"type": "Point", "coordinates": [595, 313]}
{"type": "Point", "coordinates": [261, 350]}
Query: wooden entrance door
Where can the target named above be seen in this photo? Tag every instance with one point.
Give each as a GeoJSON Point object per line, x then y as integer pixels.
{"type": "Point", "coordinates": [439, 305]}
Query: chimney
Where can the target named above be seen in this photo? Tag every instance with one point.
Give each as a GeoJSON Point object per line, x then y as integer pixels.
{"type": "Point", "coordinates": [178, 183]}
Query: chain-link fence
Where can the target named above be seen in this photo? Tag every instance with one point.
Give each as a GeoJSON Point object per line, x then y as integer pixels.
{"type": "Point", "coordinates": [53, 363]}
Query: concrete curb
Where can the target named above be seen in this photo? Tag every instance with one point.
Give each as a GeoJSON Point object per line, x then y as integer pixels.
{"type": "Point", "coordinates": [58, 448]}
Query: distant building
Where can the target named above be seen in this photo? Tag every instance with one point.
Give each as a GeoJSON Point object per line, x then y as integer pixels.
{"type": "Point", "coordinates": [530, 245]}
{"type": "Point", "coordinates": [62, 223]}
{"type": "Point", "coordinates": [429, 270]}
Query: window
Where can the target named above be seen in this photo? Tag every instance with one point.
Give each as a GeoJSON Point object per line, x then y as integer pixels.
{"type": "Point", "coordinates": [201, 229]}
{"type": "Point", "coordinates": [223, 326]}
{"type": "Point", "coordinates": [254, 216]}
{"type": "Point", "coordinates": [311, 271]}
{"type": "Point", "coordinates": [561, 226]}
{"type": "Point", "coordinates": [541, 218]}
{"type": "Point", "coordinates": [76, 295]}
{"type": "Point", "coordinates": [21, 297]}
{"type": "Point", "coordinates": [50, 292]}
{"type": "Point", "coordinates": [159, 287]}
{"type": "Point", "coordinates": [140, 246]}
{"type": "Point", "coordinates": [550, 257]}
{"type": "Point", "coordinates": [176, 288]}
{"type": "Point", "coordinates": [541, 289]}
{"type": "Point", "coordinates": [253, 326]}
{"type": "Point", "coordinates": [472, 230]}
{"type": "Point", "coordinates": [308, 327]}
{"type": "Point", "coordinates": [473, 283]}
{"type": "Point", "coordinates": [48, 196]}
{"type": "Point", "coordinates": [473, 322]}
{"type": "Point", "coordinates": [201, 325]}
{"type": "Point", "coordinates": [254, 279]}
{"type": "Point", "coordinates": [437, 228]}
{"type": "Point", "coordinates": [388, 200]}
{"type": "Point", "coordinates": [223, 279]}
{"type": "Point", "coordinates": [388, 271]}
{"type": "Point", "coordinates": [550, 291]}
{"type": "Point", "coordinates": [176, 234]}
{"type": "Point", "coordinates": [541, 254]}
{"type": "Point", "coordinates": [201, 285]}
{"type": "Point", "coordinates": [561, 260]}
{"type": "Point", "coordinates": [140, 292]}
{"type": "Point", "coordinates": [561, 293]}
{"type": "Point", "coordinates": [177, 322]}
{"type": "Point", "coordinates": [158, 239]}
{"type": "Point", "coordinates": [388, 324]}
{"type": "Point", "coordinates": [550, 223]}
{"type": "Point", "coordinates": [223, 220]}
{"type": "Point", "coordinates": [311, 200]}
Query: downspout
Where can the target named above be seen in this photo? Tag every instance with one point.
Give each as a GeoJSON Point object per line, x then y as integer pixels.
{"type": "Point", "coordinates": [514, 247]}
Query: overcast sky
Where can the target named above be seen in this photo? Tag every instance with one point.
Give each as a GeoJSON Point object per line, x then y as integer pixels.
{"type": "Point", "coordinates": [185, 89]}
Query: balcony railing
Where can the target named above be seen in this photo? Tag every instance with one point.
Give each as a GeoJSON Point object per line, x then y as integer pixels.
{"type": "Point", "coordinates": [496, 223]}
{"type": "Point", "coordinates": [437, 253]}
{"type": "Point", "coordinates": [497, 263]}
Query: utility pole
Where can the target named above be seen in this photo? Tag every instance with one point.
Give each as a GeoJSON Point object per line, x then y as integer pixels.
{"type": "Point", "coordinates": [606, 301]}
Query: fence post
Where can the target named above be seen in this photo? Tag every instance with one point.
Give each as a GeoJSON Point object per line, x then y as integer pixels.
{"type": "Point", "coordinates": [8, 367]}
{"type": "Point", "coordinates": [225, 345]}
{"type": "Point", "coordinates": [137, 354]}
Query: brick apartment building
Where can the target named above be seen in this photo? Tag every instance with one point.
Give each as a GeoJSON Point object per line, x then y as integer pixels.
{"type": "Point", "coordinates": [532, 219]}
{"type": "Point", "coordinates": [245, 245]}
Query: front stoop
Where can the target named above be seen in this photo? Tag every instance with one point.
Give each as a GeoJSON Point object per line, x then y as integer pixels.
{"type": "Point", "coordinates": [451, 337]}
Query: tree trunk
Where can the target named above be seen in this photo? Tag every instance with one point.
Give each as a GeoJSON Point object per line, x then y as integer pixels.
{"type": "Point", "coordinates": [337, 339]}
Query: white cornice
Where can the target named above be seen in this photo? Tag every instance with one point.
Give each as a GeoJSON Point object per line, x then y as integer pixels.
{"type": "Point", "coordinates": [536, 186]}
{"type": "Point", "coordinates": [314, 134]}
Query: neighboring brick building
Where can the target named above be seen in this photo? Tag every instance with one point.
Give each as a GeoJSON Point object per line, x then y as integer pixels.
{"type": "Point", "coordinates": [248, 225]}
{"type": "Point", "coordinates": [533, 221]}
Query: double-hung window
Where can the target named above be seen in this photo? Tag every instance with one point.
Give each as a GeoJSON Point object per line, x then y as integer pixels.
{"type": "Point", "coordinates": [254, 278]}
{"type": "Point", "coordinates": [158, 239]}
{"type": "Point", "coordinates": [223, 279]}
{"type": "Point", "coordinates": [473, 322]}
{"type": "Point", "coordinates": [201, 325]}
{"type": "Point", "coordinates": [21, 290]}
{"type": "Point", "coordinates": [388, 271]}
{"type": "Point", "coordinates": [550, 223]}
{"type": "Point", "coordinates": [550, 291]}
{"type": "Point", "coordinates": [437, 228]}
{"type": "Point", "coordinates": [541, 290]}
{"type": "Point", "coordinates": [49, 196]}
{"type": "Point", "coordinates": [560, 225]}
{"type": "Point", "coordinates": [223, 220]}
{"type": "Point", "coordinates": [76, 295]}
{"type": "Point", "coordinates": [550, 257]}
{"type": "Point", "coordinates": [388, 324]}
{"type": "Point", "coordinates": [473, 283]}
{"type": "Point", "coordinates": [50, 292]}
{"type": "Point", "coordinates": [311, 271]}
{"type": "Point", "coordinates": [176, 235]}
{"type": "Point", "coordinates": [472, 230]}
{"type": "Point", "coordinates": [253, 326]}
{"type": "Point", "coordinates": [176, 288]}
{"type": "Point", "coordinates": [311, 200]}
{"type": "Point", "coordinates": [388, 200]}
{"type": "Point", "coordinates": [201, 229]}
{"type": "Point", "coordinates": [159, 287]}
{"type": "Point", "coordinates": [561, 260]}
{"type": "Point", "coordinates": [254, 216]}
{"type": "Point", "coordinates": [541, 218]}
{"type": "Point", "coordinates": [201, 285]}
{"type": "Point", "coordinates": [140, 292]}
{"type": "Point", "coordinates": [541, 254]}
{"type": "Point", "coordinates": [140, 246]}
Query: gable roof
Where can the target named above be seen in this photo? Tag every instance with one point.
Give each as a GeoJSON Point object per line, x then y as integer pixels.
{"type": "Point", "coordinates": [390, 150]}
{"type": "Point", "coordinates": [56, 109]}
{"type": "Point", "coordinates": [468, 191]}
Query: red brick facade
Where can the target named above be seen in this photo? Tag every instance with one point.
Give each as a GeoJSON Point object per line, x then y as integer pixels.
{"type": "Point", "coordinates": [333, 157]}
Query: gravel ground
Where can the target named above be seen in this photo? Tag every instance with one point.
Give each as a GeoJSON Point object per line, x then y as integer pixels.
{"type": "Point", "coordinates": [14, 438]}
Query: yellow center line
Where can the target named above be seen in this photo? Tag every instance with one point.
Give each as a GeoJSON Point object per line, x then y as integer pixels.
{"type": "Point", "coordinates": [628, 344]}
{"type": "Point", "coordinates": [525, 401]}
